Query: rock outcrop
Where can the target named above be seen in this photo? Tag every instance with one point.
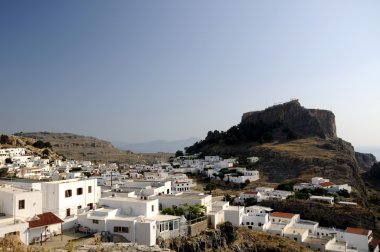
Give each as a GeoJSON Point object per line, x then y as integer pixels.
{"type": "Point", "coordinates": [232, 239]}
{"type": "Point", "coordinates": [291, 115]}
{"type": "Point", "coordinates": [375, 171]}
{"type": "Point", "coordinates": [365, 160]}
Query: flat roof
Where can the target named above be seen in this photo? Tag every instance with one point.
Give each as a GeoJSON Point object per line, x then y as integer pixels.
{"type": "Point", "coordinates": [127, 199]}
{"type": "Point", "coordinates": [184, 196]}
{"type": "Point", "coordinates": [277, 226]}
{"type": "Point", "coordinates": [69, 180]}
{"type": "Point", "coordinates": [162, 217]}
{"type": "Point", "coordinates": [317, 240]}
{"type": "Point", "coordinates": [293, 230]}
{"type": "Point", "coordinates": [219, 203]}
{"type": "Point", "coordinates": [307, 222]}
{"type": "Point", "coordinates": [234, 208]}
{"type": "Point", "coordinates": [12, 189]}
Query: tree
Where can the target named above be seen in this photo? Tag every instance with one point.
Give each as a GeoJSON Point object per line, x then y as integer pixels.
{"type": "Point", "coordinates": [344, 193]}
{"type": "Point", "coordinates": [4, 139]}
{"type": "Point", "coordinates": [285, 187]}
{"type": "Point", "coordinates": [178, 153]}
{"type": "Point", "coordinates": [227, 197]}
{"type": "Point", "coordinates": [210, 187]}
{"type": "Point", "coordinates": [45, 152]}
{"type": "Point", "coordinates": [39, 144]}
{"type": "Point", "coordinates": [250, 202]}
{"type": "Point", "coordinates": [3, 172]}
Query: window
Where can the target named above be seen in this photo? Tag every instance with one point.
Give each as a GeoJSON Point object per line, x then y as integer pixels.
{"type": "Point", "coordinates": [89, 189]}
{"type": "Point", "coordinates": [68, 193]}
{"type": "Point", "coordinates": [247, 223]}
{"type": "Point", "coordinates": [95, 221]}
{"type": "Point", "coordinates": [21, 204]}
{"type": "Point", "coordinates": [121, 229]}
{"type": "Point", "coordinates": [12, 233]}
{"type": "Point", "coordinates": [79, 191]}
{"type": "Point", "coordinates": [68, 212]}
{"type": "Point", "coordinates": [295, 238]}
{"type": "Point", "coordinates": [152, 208]}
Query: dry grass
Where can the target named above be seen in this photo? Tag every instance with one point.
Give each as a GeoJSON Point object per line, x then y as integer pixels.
{"type": "Point", "coordinates": [302, 148]}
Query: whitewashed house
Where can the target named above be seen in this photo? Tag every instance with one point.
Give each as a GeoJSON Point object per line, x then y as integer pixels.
{"type": "Point", "coordinates": [180, 199]}
{"type": "Point", "coordinates": [67, 198]}
{"type": "Point", "coordinates": [134, 219]}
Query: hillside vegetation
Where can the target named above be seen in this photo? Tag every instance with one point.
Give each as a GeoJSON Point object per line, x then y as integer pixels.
{"type": "Point", "coordinates": [78, 147]}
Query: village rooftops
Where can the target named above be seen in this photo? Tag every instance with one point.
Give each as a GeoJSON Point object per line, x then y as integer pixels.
{"type": "Point", "coordinates": [127, 199]}
{"type": "Point", "coordinates": [307, 222]}
{"type": "Point", "coordinates": [317, 240]}
{"type": "Point", "coordinates": [12, 189]}
{"type": "Point", "coordinates": [219, 203]}
{"type": "Point", "coordinates": [185, 196]}
{"type": "Point", "coordinates": [69, 180]}
{"type": "Point", "coordinates": [282, 215]}
{"type": "Point", "coordinates": [293, 230]}
{"type": "Point", "coordinates": [251, 192]}
{"type": "Point", "coordinates": [259, 208]}
{"type": "Point", "coordinates": [358, 231]}
{"type": "Point", "coordinates": [277, 226]}
{"type": "Point", "coordinates": [45, 219]}
{"type": "Point", "coordinates": [161, 217]}
{"type": "Point", "coordinates": [8, 220]}
{"type": "Point", "coordinates": [326, 184]}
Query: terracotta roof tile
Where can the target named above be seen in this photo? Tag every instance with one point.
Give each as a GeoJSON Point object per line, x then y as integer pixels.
{"type": "Point", "coordinates": [358, 231]}
{"type": "Point", "coordinates": [282, 215]}
{"type": "Point", "coordinates": [326, 184]}
{"type": "Point", "coordinates": [250, 192]}
{"type": "Point", "coordinates": [45, 219]}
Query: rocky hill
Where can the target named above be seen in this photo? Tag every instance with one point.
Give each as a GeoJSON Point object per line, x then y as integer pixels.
{"type": "Point", "coordinates": [79, 147]}
{"type": "Point", "coordinates": [295, 144]}
{"type": "Point", "coordinates": [232, 239]}
{"type": "Point", "coordinates": [44, 149]}
{"type": "Point", "coordinates": [295, 118]}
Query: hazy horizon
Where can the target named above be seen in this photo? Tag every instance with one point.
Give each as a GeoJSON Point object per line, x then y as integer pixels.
{"type": "Point", "coordinates": [135, 71]}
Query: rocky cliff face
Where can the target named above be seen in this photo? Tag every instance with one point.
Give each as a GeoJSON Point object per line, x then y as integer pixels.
{"type": "Point", "coordinates": [365, 160]}
{"type": "Point", "coordinates": [303, 122]}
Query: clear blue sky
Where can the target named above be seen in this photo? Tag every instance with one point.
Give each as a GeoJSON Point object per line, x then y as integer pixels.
{"type": "Point", "coordinates": [141, 70]}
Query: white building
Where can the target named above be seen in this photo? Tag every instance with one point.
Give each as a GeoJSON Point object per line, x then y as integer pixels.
{"type": "Point", "coordinates": [168, 201]}
{"type": "Point", "coordinates": [359, 238]}
{"type": "Point", "coordinates": [67, 198]}
{"type": "Point", "coordinates": [134, 219]}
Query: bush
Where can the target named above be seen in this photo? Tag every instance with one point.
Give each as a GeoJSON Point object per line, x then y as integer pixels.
{"type": "Point", "coordinates": [39, 144]}
{"type": "Point", "coordinates": [4, 139]}
{"type": "Point", "coordinates": [344, 193]}
{"type": "Point", "coordinates": [285, 187]}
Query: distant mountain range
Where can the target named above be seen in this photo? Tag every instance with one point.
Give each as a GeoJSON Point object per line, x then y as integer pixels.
{"type": "Point", "coordinates": [157, 145]}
